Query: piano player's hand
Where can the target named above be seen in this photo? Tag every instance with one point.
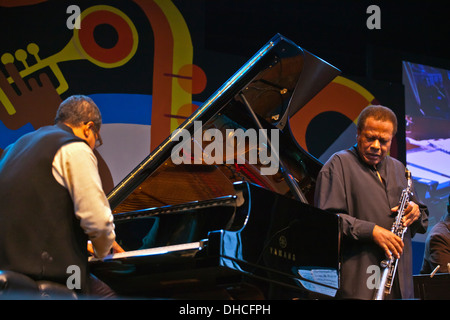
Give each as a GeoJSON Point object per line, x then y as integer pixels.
{"type": "Point", "coordinates": [117, 248]}
{"type": "Point", "coordinates": [90, 248]}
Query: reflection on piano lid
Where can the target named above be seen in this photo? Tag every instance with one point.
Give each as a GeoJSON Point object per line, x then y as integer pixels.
{"type": "Point", "coordinates": [223, 224]}
{"type": "Point", "coordinates": [276, 82]}
{"type": "Point", "coordinates": [153, 251]}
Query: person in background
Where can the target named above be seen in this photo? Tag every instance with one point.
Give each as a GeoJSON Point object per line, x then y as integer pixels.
{"type": "Point", "coordinates": [363, 184]}
{"type": "Point", "coordinates": [437, 246]}
{"type": "Point", "coordinates": [52, 198]}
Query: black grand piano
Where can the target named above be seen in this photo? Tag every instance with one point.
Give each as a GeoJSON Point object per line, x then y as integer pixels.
{"type": "Point", "coordinates": [197, 222]}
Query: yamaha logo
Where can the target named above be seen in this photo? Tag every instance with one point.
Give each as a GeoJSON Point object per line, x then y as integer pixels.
{"type": "Point", "coordinates": [283, 242]}
{"type": "Point", "coordinates": [281, 252]}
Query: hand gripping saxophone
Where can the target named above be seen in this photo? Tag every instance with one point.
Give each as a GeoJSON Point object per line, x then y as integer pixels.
{"type": "Point", "coordinates": [389, 266]}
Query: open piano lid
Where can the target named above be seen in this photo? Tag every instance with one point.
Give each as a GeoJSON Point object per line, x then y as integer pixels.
{"type": "Point", "coordinates": [272, 86]}
{"type": "Point", "coordinates": [210, 204]}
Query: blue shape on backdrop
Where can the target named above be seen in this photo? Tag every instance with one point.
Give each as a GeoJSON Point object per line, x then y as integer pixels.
{"type": "Point", "coordinates": [8, 136]}
{"type": "Point", "coordinates": [115, 108]}
{"type": "Point", "coordinates": [124, 108]}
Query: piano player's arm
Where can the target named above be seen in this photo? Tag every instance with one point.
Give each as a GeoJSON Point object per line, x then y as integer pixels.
{"type": "Point", "coordinates": [116, 248]}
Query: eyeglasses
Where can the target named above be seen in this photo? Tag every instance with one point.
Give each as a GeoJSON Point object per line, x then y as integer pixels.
{"type": "Point", "coordinates": [98, 138]}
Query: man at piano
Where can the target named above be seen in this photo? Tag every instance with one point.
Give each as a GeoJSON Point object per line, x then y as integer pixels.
{"type": "Point", "coordinates": [52, 199]}
{"type": "Point", "coordinates": [363, 184]}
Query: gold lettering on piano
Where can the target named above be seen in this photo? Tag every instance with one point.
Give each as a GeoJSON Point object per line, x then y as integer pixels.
{"type": "Point", "coordinates": [282, 253]}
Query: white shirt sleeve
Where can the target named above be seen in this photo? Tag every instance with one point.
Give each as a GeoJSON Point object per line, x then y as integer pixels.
{"type": "Point", "coordinates": [75, 168]}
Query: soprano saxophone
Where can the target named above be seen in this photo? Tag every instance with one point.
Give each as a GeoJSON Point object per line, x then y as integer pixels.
{"type": "Point", "coordinates": [389, 266]}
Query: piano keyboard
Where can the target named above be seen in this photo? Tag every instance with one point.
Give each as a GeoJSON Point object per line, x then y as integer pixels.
{"type": "Point", "coordinates": [152, 251]}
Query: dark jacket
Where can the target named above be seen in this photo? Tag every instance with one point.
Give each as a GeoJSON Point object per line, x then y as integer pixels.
{"type": "Point", "coordinates": [437, 247]}
{"type": "Point", "coordinates": [349, 187]}
{"type": "Point", "coordinates": [40, 235]}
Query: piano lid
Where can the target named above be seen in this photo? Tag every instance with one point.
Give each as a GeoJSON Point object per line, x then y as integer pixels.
{"type": "Point", "coordinates": [241, 133]}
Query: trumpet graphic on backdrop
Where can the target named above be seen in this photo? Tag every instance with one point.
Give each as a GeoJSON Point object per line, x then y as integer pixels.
{"type": "Point", "coordinates": [81, 46]}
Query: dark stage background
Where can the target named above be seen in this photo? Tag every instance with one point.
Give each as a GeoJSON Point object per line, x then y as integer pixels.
{"type": "Point", "coordinates": [148, 64]}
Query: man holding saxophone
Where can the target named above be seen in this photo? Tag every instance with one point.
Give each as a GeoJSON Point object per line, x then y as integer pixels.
{"type": "Point", "coordinates": [363, 185]}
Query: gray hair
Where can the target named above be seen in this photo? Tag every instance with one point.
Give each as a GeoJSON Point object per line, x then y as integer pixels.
{"type": "Point", "coordinates": [78, 110]}
{"type": "Point", "coordinates": [378, 113]}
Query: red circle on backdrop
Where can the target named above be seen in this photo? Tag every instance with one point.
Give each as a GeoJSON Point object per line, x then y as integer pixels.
{"type": "Point", "coordinates": [192, 78]}
{"type": "Point", "coordinates": [115, 54]}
